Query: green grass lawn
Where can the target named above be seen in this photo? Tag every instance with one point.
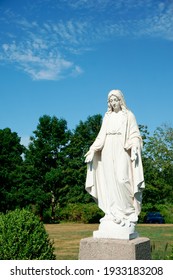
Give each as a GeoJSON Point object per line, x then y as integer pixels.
{"type": "Point", "coordinates": [161, 238]}
{"type": "Point", "coordinates": [67, 238]}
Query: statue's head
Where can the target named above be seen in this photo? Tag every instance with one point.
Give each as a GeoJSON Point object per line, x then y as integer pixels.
{"type": "Point", "coordinates": [118, 93]}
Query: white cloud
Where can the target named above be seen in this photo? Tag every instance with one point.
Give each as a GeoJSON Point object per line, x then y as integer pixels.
{"type": "Point", "coordinates": [130, 17]}
{"type": "Point", "coordinates": [77, 71]}
{"type": "Point", "coordinates": [158, 25]}
{"type": "Point", "coordinates": [5, 47]}
{"type": "Point", "coordinates": [25, 140]}
{"type": "Point", "coordinates": [40, 55]}
{"type": "Point", "coordinates": [49, 50]}
{"type": "Point", "coordinates": [50, 69]}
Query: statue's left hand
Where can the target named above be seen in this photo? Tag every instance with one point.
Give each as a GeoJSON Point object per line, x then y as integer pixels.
{"type": "Point", "coordinates": [134, 153]}
{"type": "Point", "coordinates": [89, 156]}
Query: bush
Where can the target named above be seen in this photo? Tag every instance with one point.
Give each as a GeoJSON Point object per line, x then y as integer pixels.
{"type": "Point", "coordinates": [165, 209]}
{"type": "Point", "coordinates": [23, 237]}
{"type": "Point", "coordinates": [78, 212]}
{"type": "Point", "coordinates": [147, 207]}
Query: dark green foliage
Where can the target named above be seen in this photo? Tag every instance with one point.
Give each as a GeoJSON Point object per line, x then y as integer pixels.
{"type": "Point", "coordinates": [49, 176]}
{"type": "Point", "coordinates": [10, 168]}
{"type": "Point", "coordinates": [23, 237]}
{"type": "Point", "coordinates": [144, 133]}
{"type": "Point", "coordinates": [158, 167]}
{"type": "Point", "coordinates": [45, 162]}
{"type": "Point", "coordinates": [84, 213]}
{"type": "Point", "coordinates": [165, 209]}
{"type": "Point", "coordinates": [159, 152]}
{"type": "Point", "coordinates": [75, 172]}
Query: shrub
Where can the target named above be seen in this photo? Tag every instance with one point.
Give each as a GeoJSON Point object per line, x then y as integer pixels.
{"type": "Point", "coordinates": [147, 207]}
{"type": "Point", "coordinates": [78, 212]}
{"type": "Point", "coordinates": [165, 209]}
{"type": "Point", "coordinates": [23, 237]}
{"type": "Point", "coordinates": [91, 213]}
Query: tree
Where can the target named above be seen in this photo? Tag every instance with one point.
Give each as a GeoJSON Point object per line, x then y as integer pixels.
{"type": "Point", "coordinates": [144, 133]}
{"type": "Point", "coordinates": [10, 167]}
{"type": "Point", "coordinates": [158, 166]}
{"type": "Point", "coordinates": [44, 161]}
{"type": "Point", "coordinates": [80, 141]}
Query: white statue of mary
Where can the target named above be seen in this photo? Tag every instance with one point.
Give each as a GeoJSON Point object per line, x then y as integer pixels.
{"type": "Point", "coordinates": [114, 170]}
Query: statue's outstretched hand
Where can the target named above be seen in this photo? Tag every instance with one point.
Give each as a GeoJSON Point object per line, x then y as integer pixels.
{"type": "Point", "coordinates": [134, 153]}
{"type": "Point", "coordinates": [89, 156]}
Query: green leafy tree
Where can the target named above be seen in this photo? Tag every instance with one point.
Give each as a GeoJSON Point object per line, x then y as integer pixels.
{"type": "Point", "coordinates": [81, 139]}
{"type": "Point", "coordinates": [144, 133]}
{"type": "Point", "coordinates": [11, 163]}
{"type": "Point", "coordinates": [158, 166]}
{"type": "Point", "coordinates": [160, 150]}
{"type": "Point", "coordinates": [44, 161]}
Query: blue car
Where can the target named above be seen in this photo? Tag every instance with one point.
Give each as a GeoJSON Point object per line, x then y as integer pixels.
{"type": "Point", "coordinates": [154, 218]}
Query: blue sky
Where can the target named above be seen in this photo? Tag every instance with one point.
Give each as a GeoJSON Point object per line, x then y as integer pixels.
{"type": "Point", "coordinates": [62, 57]}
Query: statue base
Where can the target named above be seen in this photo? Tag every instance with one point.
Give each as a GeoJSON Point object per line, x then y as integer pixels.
{"type": "Point", "coordinates": [110, 229]}
{"type": "Point", "coordinates": [114, 249]}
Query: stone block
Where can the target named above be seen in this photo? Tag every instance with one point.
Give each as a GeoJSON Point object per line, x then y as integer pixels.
{"type": "Point", "coordinates": [114, 249]}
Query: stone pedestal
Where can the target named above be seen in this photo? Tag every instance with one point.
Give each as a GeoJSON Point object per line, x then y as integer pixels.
{"type": "Point", "coordinates": [114, 249]}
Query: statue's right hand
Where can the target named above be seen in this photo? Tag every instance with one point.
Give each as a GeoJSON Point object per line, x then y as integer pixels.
{"type": "Point", "coordinates": [89, 156]}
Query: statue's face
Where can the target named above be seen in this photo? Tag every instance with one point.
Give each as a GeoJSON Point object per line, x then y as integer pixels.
{"type": "Point", "coordinates": [115, 103]}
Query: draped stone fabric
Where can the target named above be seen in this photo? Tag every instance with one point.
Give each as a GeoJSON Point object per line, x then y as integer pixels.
{"type": "Point", "coordinates": [113, 179]}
